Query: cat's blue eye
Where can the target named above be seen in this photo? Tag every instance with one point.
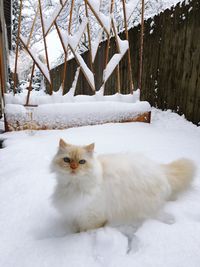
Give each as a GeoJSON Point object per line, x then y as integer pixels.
{"type": "Point", "coordinates": [66, 159]}
{"type": "Point", "coordinates": [82, 161]}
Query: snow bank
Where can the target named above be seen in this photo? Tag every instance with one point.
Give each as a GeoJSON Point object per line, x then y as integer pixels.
{"type": "Point", "coordinates": [60, 116]}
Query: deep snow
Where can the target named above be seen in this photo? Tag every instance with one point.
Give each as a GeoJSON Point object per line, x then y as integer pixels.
{"type": "Point", "coordinates": [32, 235]}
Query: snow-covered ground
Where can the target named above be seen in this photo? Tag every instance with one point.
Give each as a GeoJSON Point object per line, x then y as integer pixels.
{"type": "Point", "coordinates": [30, 232]}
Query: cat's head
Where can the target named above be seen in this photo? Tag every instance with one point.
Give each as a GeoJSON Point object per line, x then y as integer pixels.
{"type": "Point", "coordinates": [74, 160]}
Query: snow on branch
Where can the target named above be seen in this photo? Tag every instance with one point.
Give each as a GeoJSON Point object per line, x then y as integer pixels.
{"type": "Point", "coordinates": [95, 44]}
{"type": "Point", "coordinates": [73, 41]}
{"type": "Point", "coordinates": [75, 38]}
{"type": "Point", "coordinates": [65, 38]}
{"type": "Point", "coordinates": [86, 71]}
{"type": "Point", "coordinates": [130, 7]}
{"type": "Point", "coordinates": [73, 88]}
{"type": "Point", "coordinates": [48, 23]}
{"type": "Point", "coordinates": [104, 20]}
{"type": "Point", "coordinates": [43, 68]}
{"type": "Point", "coordinates": [112, 64]}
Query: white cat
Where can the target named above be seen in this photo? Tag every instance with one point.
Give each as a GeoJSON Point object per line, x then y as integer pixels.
{"type": "Point", "coordinates": [113, 188]}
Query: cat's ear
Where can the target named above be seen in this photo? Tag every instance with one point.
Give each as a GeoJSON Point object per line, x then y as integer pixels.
{"type": "Point", "coordinates": [90, 148]}
{"type": "Point", "coordinates": [62, 143]}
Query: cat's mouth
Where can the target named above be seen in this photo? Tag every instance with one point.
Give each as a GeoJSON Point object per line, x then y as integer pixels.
{"type": "Point", "coordinates": [73, 171]}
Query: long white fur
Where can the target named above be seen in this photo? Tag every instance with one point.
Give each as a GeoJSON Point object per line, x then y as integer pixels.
{"type": "Point", "coordinates": [117, 188]}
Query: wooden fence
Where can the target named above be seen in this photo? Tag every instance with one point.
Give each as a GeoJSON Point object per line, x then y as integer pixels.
{"type": "Point", "coordinates": [171, 77]}
{"type": "Point", "coordinates": [171, 62]}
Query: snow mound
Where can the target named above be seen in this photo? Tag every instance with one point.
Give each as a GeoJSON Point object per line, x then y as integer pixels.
{"type": "Point", "coordinates": [65, 115]}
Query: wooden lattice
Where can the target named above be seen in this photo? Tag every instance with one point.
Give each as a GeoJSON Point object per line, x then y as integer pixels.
{"type": "Point", "coordinates": [71, 42]}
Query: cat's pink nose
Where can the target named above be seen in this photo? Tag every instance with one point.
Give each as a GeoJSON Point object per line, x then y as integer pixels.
{"type": "Point", "coordinates": [73, 165]}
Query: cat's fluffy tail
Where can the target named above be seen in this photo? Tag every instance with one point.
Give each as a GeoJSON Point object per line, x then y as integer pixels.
{"type": "Point", "coordinates": [180, 174]}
